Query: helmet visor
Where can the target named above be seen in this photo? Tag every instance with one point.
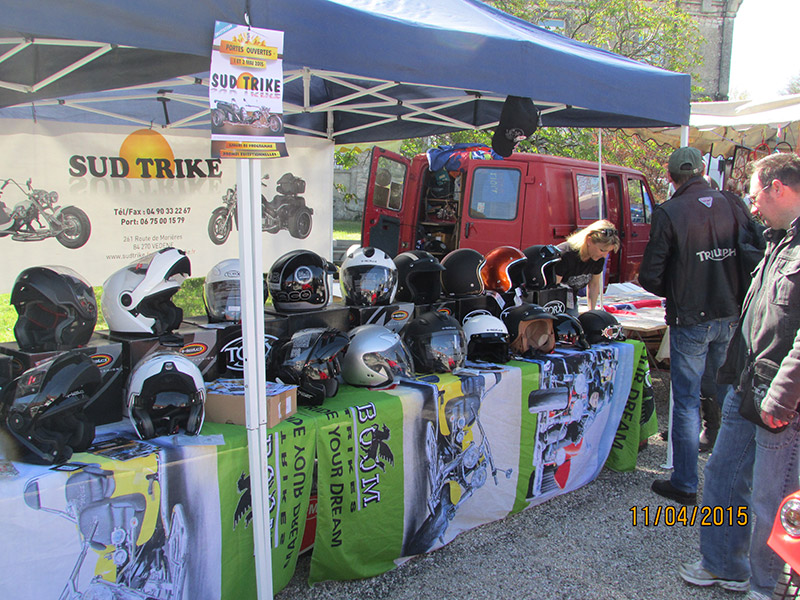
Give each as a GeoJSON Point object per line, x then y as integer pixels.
{"type": "Point", "coordinates": [444, 350]}
{"type": "Point", "coordinates": [224, 301]}
{"type": "Point", "coordinates": [393, 362]}
{"type": "Point", "coordinates": [369, 285]}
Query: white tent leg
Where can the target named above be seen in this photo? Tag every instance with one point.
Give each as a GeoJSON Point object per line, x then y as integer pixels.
{"type": "Point", "coordinates": [248, 176]}
{"type": "Point", "coordinates": [669, 464]}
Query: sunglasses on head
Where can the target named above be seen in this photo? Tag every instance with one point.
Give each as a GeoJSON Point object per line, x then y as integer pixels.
{"type": "Point", "coordinates": [606, 232]}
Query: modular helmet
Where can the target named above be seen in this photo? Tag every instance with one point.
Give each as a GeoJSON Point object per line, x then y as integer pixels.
{"type": "Point", "coordinates": [540, 269]}
{"type": "Point", "coordinates": [222, 294]}
{"type": "Point", "coordinates": [600, 326]}
{"type": "Point", "coordinates": [436, 342]}
{"type": "Point", "coordinates": [368, 277]}
{"type": "Point", "coordinates": [462, 275]}
{"type": "Point", "coordinates": [138, 298]}
{"type": "Point", "coordinates": [166, 393]}
{"type": "Point", "coordinates": [309, 360]}
{"type": "Point", "coordinates": [569, 331]}
{"type": "Point", "coordinates": [56, 308]}
{"type": "Point", "coordinates": [487, 338]}
{"type": "Point", "coordinates": [298, 281]}
{"type": "Point", "coordinates": [503, 270]}
{"type": "Point", "coordinates": [375, 356]}
{"type": "Point", "coordinates": [418, 277]}
{"type": "Point", "coordinates": [47, 414]}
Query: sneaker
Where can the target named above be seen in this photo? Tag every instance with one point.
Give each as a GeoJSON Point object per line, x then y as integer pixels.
{"type": "Point", "coordinates": [663, 487]}
{"type": "Point", "coordinates": [754, 595]}
{"type": "Point", "coordinates": [695, 574]}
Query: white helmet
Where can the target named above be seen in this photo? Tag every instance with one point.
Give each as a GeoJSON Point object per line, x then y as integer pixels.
{"type": "Point", "coordinates": [138, 298]}
{"type": "Point", "coordinates": [487, 338]}
{"type": "Point", "coordinates": [166, 392]}
{"type": "Point", "coordinates": [368, 277]}
{"type": "Point", "coordinates": [375, 356]}
{"type": "Point", "coordinates": [222, 293]}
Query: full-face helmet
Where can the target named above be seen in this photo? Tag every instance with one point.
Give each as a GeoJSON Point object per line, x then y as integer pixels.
{"type": "Point", "coordinates": [375, 356]}
{"type": "Point", "coordinates": [600, 326]}
{"type": "Point", "coordinates": [298, 281]}
{"type": "Point", "coordinates": [531, 329]}
{"type": "Point", "coordinates": [222, 294]}
{"type": "Point", "coordinates": [56, 308]}
{"type": "Point", "coordinates": [540, 270]}
{"type": "Point", "coordinates": [166, 393]}
{"type": "Point", "coordinates": [368, 277]}
{"type": "Point", "coordinates": [487, 338]}
{"type": "Point", "coordinates": [503, 270]}
{"type": "Point", "coordinates": [138, 298]}
{"type": "Point", "coordinates": [418, 278]}
{"type": "Point", "coordinates": [462, 275]}
{"type": "Point", "coordinates": [46, 414]}
{"type": "Point", "coordinates": [436, 342]}
{"type": "Point", "coordinates": [309, 360]}
{"type": "Point", "coordinates": [569, 331]}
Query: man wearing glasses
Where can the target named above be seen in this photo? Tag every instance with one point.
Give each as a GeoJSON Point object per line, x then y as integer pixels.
{"type": "Point", "coordinates": [764, 354]}
{"type": "Point", "coordinates": [691, 261]}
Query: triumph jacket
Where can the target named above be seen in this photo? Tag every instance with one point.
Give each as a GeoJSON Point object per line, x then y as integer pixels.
{"type": "Point", "coordinates": [691, 257]}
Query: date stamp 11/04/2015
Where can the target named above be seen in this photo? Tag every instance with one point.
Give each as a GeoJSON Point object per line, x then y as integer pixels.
{"type": "Point", "coordinates": [689, 516]}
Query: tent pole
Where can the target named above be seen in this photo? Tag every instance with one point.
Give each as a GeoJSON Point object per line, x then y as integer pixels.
{"type": "Point", "coordinates": [684, 135]}
{"type": "Point", "coordinates": [600, 211]}
{"type": "Point", "coordinates": [248, 179]}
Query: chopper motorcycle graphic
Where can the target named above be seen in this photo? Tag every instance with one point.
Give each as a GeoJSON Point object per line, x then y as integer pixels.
{"type": "Point", "coordinates": [24, 223]}
{"type": "Point", "coordinates": [287, 210]}
{"type": "Point", "coordinates": [256, 116]}
{"type": "Point", "coordinates": [140, 547]}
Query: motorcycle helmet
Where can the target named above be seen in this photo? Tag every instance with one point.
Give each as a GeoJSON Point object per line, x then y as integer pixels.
{"type": "Point", "coordinates": [222, 294]}
{"type": "Point", "coordinates": [418, 278]}
{"type": "Point", "coordinates": [600, 326]}
{"type": "Point", "coordinates": [138, 298]}
{"type": "Point", "coordinates": [375, 356]}
{"type": "Point", "coordinates": [436, 342]}
{"type": "Point", "coordinates": [166, 393]}
{"type": "Point", "coordinates": [531, 329]}
{"type": "Point", "coordinates": [309, 360]}
{"type": "Point", "coordinates": [540, 269]}
{"type": "Point", "coordinates": [46, 414]}
{"type": "Point", "coordinates": [487, 338]}
{"type": "Point", "coordinates": [569, 331]}
{"type": "Point", "coordinates": [298, 281]}
{"type": "Point", "coordinates": [462, 274]}
{"type": "Point", "coordinates": [503, 270]}
{"type": "Point", "coordinates": [368, 277]}
{"type": "Point", "coordinates": [56, 308]}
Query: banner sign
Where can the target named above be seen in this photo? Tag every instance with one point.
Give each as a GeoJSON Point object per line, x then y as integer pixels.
{"type": "Point", "coordinates": [245, 91]}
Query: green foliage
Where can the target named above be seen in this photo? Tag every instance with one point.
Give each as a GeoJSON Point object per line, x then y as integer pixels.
{"type": "Point", "coordinates": [793, 87]}
{"type": "Point", "coordinates": [346, 156]}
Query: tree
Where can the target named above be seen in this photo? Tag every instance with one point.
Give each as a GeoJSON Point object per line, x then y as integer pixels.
{"type": "Point", "coordinates": [793, 87]}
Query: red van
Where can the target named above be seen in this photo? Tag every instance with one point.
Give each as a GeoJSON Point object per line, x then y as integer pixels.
{"type": "Point", "coordinates": [523, 200]}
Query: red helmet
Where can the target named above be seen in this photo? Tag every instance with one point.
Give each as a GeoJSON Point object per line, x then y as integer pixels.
{"type": "Point", "coordinates": [503, 270]}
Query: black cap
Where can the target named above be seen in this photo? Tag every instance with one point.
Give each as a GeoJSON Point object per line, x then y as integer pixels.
{"type": "Point", "coordinates": [518, 120]}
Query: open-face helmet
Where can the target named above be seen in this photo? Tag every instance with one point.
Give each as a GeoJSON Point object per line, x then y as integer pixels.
{"type": "Point", "coordinates": [436, 342]}
{"type": "Point", "coordinates": [600, 326]}
{"type": "Point", "coordinates": [47, 414]}
{"type": "Point", "coordinates": [56, 308]}
{"type": "Point", "coordinates": [569, 331]}
{"type": "Point", "coordinates": [531, 329]}
{"type": "Point", "coordinates": [309, 360]}
{"type": "Point", "coordinates": [299, 281]}
{"type": "Point", "coordinates": [222, 293]}
{"type": "Point", "coordinates": [503, 270]}
{"type": "Point", "coordinates": [540, 270]}
{"type": "Point", "coordinates": [166, 393]}
{"type": "Point", "coordinates": [368, 277]}
{"type": "Point", "coordinates": [138, 298]}
{"type": "Point", "coordinates": [462, 275]}
{"type": "Point", "coordinates": [375, 356]}
{"type": "Point", "coordinates": [418, 277]}
{"type": "Point", "coordinates": [487, 338]}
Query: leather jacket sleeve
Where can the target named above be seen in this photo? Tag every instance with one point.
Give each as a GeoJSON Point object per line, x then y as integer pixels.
{"type": "Point", "coordinates": [656, 255]}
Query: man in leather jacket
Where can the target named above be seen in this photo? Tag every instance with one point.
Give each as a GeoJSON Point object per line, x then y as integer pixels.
{"type": "Point", "coordinates": [691, 261]}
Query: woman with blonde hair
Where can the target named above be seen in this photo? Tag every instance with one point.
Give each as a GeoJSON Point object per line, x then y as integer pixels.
{"type": "Point", "coordinates": [583, 258]}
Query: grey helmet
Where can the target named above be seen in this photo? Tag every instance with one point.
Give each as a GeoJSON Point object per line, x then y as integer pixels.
{"type": "Point", "coordinates": [375, 356]}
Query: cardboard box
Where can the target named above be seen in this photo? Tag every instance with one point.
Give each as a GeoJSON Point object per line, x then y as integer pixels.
{"type": "Point", "coordinates": [225, 402]}
{"type": "Point", "coordinates": [392, 316]}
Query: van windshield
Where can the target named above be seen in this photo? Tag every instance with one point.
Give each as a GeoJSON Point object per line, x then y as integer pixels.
{"type": "Point", "coordinates": [495, 193]}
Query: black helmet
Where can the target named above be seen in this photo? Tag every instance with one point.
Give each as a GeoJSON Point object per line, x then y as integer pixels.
{"type": "Point", "coordinates": [487, 338]}
{"type": "Point", "coordinates": [57, 309]}
{"type": "Point", "coordinates": [436, 342]}
{"type": "Point", "coordinates": [540, 270]}
{"type": "Point", "coordinates": [418, 277]}
{"type": "Point", "coordinates": [47, 411]}
{"type": "Point", "coordinates": [570, 331]}
{"type": "Point", "coordinates": [538, 337]}
{"type": "Point", "coordinates": [298, 281]}
{"type": "Point", "coordinates": [309, 360]}
{"type": "Point", "coordinates": [600, 326]}
{"type": "Point", "coordinates": [166, 393]}
{"type": "Point", "coordinates": [368, 277]}
{"type": "Point", "coordinates": [462, 274]}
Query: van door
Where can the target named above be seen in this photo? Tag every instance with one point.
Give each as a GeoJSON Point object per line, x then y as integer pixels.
{"type": "Point", "coordinates": [637, 222]}
{"type": "Point", "coordinates": [384, 220]}
{"type": "Point", "coordinates": [613, 203]}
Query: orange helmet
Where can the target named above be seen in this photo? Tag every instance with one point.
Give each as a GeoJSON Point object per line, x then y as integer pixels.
{"type": "Point", "coordinates": [503, 270]}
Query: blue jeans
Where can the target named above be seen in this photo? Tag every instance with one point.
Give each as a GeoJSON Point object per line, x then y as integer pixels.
{"type": "Point", "coordinates": [688, 349]}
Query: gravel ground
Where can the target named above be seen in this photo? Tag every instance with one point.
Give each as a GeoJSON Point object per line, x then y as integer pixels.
{"type": "Point", "coordinates": [580, 546]}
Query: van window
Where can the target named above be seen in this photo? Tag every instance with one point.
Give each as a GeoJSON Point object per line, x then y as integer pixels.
{"type": "Point", "coordinates": [494, 194]}
{"type": "Point", "coordinates": [390, 176]}
{"type": "Point", "coordinates": [589, 197]}
{"type": "Point", "coordinates": [641, 204]}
